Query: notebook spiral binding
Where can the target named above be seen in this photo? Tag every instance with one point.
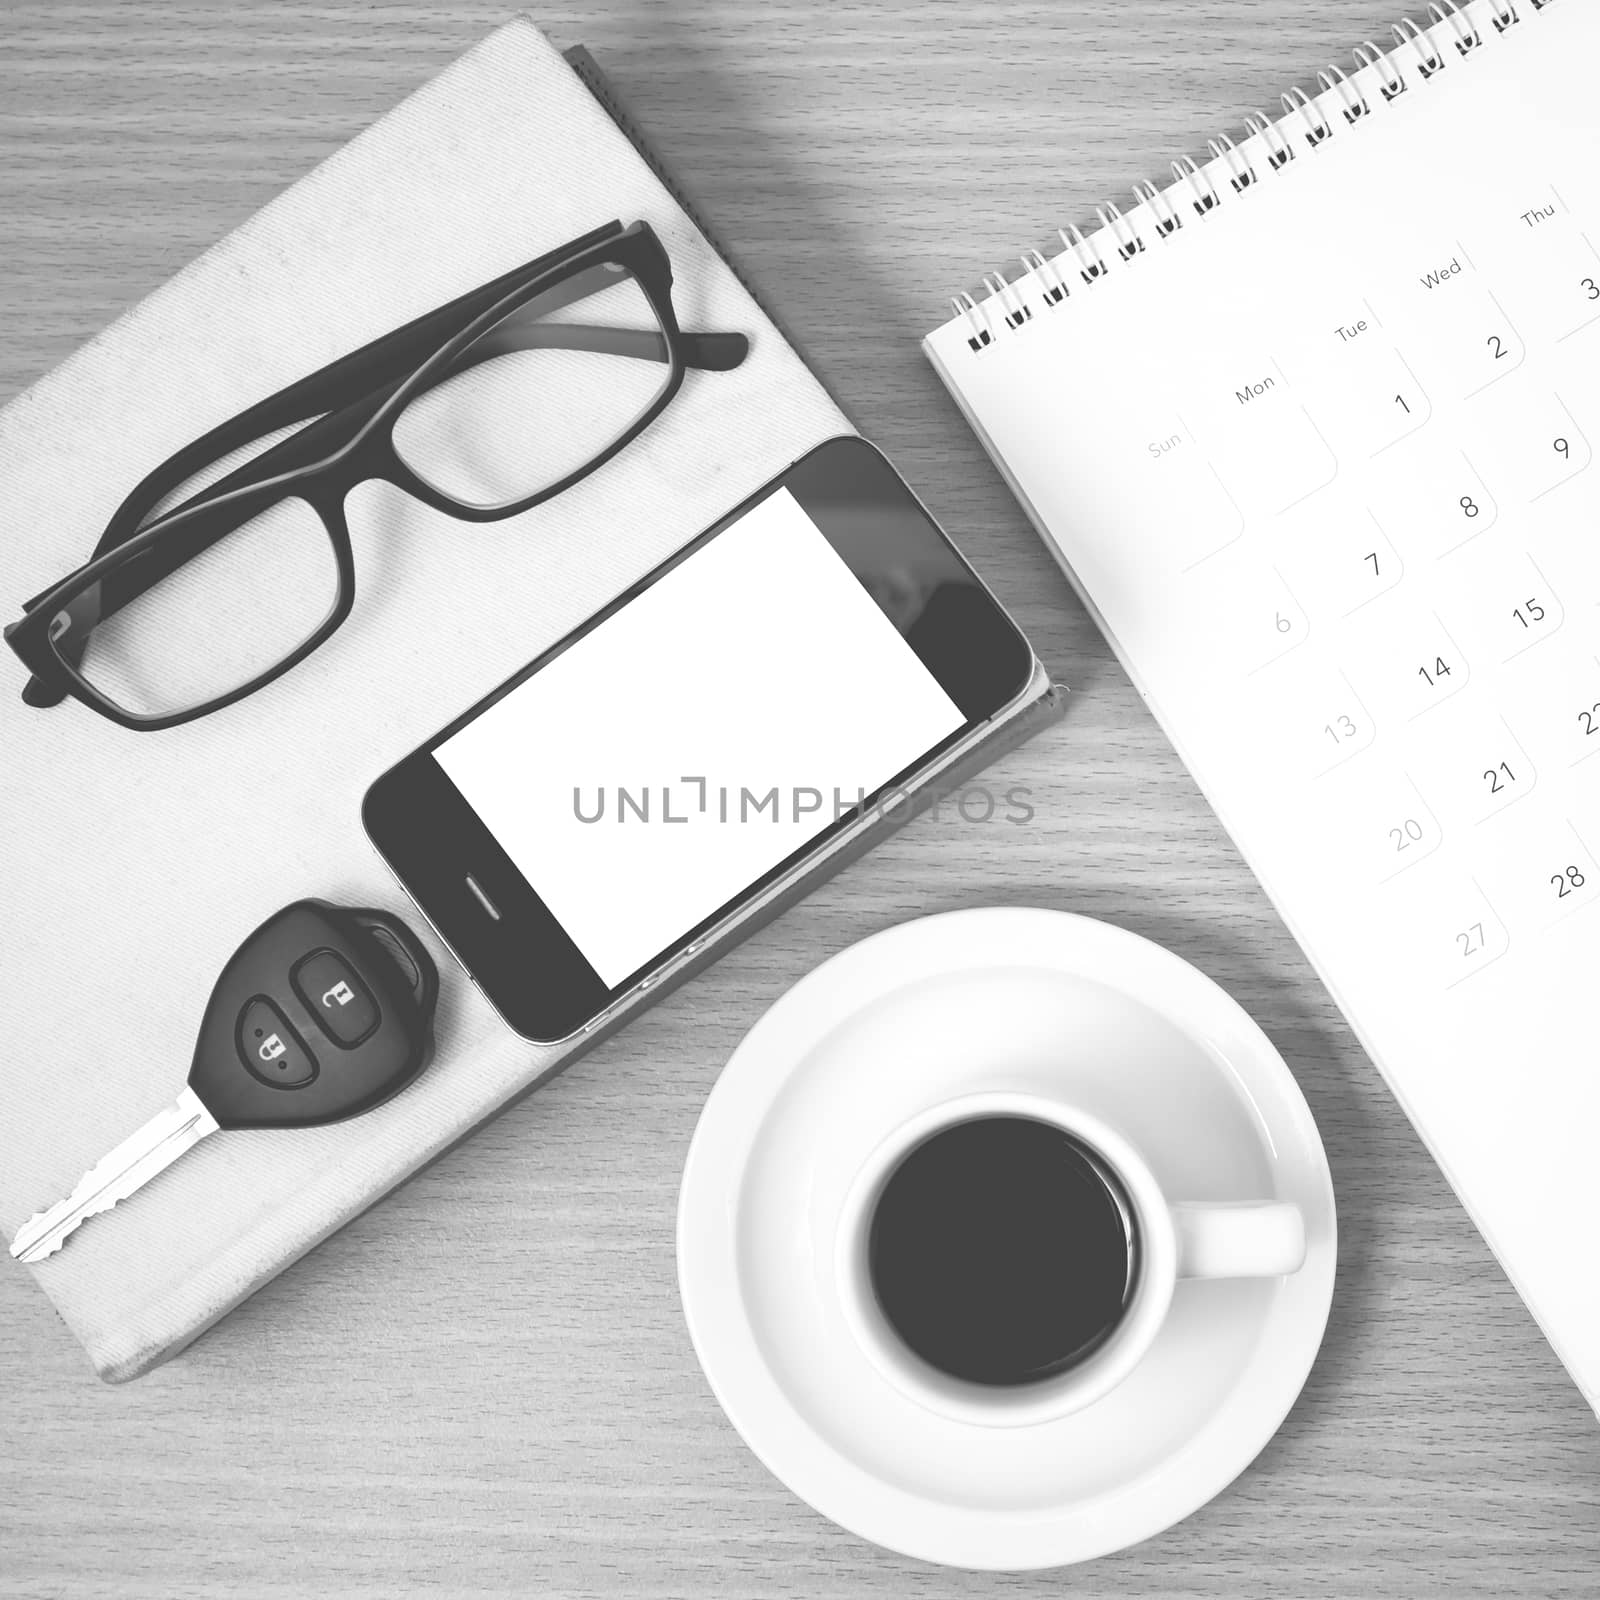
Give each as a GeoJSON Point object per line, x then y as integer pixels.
{"type": "Point", "coordinates": [1197, 189]}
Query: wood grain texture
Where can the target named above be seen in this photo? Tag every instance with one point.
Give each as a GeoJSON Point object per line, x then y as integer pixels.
{"type": "Point", "coordinates": [484, 1386]}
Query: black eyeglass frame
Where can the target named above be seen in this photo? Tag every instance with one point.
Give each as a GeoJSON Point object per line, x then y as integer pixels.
{"type": "Point", "coordinates": [355, 402]}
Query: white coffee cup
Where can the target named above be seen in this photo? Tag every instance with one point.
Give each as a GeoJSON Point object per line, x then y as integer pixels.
{"type": "Point", "coordinates": [1169, 1240]}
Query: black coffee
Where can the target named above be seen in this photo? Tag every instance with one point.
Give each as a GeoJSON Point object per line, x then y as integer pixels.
{"type": "Point", "coordinates": [999, 1251]}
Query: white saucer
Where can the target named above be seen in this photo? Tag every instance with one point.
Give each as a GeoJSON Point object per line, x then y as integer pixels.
{"type": "Point", "coordinates": [999, 999]}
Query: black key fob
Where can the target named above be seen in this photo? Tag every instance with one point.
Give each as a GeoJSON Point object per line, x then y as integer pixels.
{"type": "Point", "coordinates": [322, 1013]}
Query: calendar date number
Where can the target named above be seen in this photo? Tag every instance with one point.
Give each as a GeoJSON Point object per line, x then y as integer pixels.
{"type": "Point", "coordinates": [1565, 882]}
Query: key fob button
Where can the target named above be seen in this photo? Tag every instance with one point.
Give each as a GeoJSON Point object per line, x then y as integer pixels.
{"type": "Point", "coordinates": [270, 1049]}
{"type": "Point", "coordinates": [334, 994]}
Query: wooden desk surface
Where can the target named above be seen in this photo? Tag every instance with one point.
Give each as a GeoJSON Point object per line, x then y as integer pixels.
{"type": "Point", "coordinates": [484, 1385]}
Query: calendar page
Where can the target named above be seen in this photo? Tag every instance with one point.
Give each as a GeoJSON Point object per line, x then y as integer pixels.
{"type": "Point", "coordinates": [1313, 431]}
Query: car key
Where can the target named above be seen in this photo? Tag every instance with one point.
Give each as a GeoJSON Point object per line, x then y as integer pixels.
{"type": "Point", "coordinates": [322, 1013]}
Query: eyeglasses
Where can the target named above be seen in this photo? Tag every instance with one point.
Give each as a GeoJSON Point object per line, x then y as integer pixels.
{"type": "Point", "coordinates": [481, 409]}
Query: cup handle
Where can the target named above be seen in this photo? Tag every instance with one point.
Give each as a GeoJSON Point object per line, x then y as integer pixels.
{"type": "Point", "coordinates": [1248, 1240]}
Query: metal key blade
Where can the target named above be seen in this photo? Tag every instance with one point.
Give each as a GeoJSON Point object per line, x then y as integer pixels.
{"type": "Point", "coordinates": [130, 1166]}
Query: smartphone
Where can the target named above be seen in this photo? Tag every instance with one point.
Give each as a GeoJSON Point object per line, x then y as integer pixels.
{"type": "Point", "coordinates": [589, 824]}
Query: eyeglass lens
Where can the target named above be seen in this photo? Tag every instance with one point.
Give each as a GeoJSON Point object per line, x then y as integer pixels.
{"type": "Point", "coordinates": [540, 394]}
{"type": "Point", "coordinates": [246, 600]}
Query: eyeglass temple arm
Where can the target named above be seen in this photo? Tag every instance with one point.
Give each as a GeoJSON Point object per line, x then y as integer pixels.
{"type": "Point", "coordinates": [709, 352]}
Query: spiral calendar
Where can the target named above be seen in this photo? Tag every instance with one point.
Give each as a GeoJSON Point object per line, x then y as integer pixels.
{"type": "Point", "coordinates": [1311, 428]}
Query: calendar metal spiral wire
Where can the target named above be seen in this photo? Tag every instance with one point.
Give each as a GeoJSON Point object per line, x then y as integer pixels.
{"type": "Point", "coordinates": [1416, 53]}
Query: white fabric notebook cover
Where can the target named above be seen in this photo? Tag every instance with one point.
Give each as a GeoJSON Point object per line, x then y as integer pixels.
{"type": "Point", "coordinates": [132, 864]}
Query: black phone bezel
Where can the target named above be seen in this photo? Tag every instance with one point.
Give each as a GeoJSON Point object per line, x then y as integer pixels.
{"type": "Point", "coordinates": [525, 963]}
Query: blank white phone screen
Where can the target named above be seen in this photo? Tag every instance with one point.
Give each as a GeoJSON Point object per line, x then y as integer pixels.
{"type": "Point", "coordinates": [711, 727]}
